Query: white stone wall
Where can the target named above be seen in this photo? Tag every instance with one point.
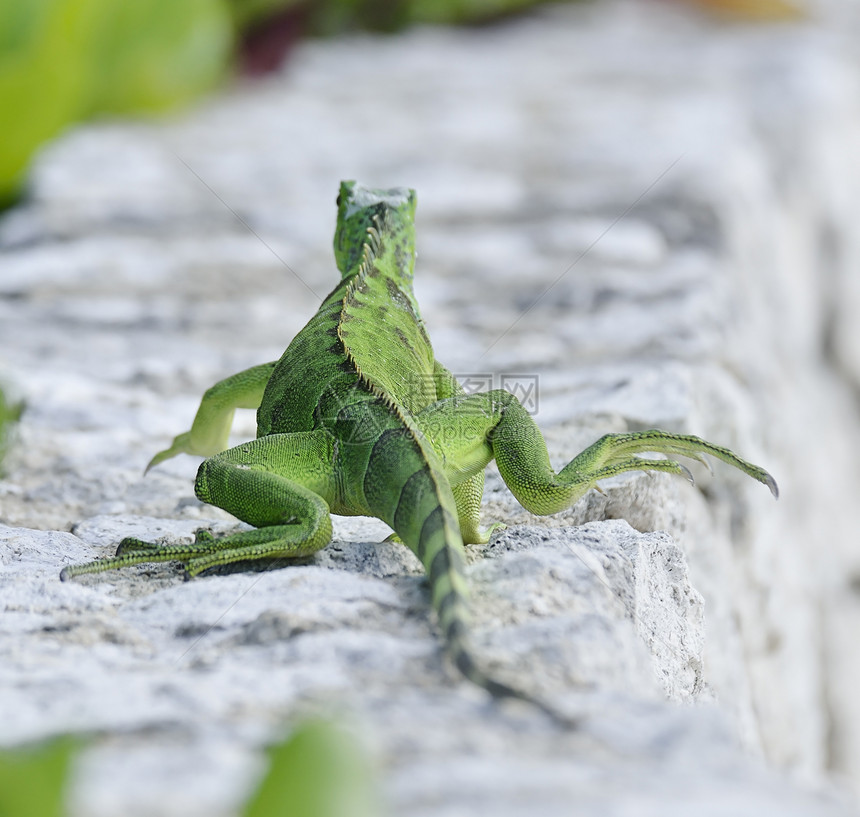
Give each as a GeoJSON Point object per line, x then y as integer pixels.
{"type": "Point", "coordinates": [651, 213]}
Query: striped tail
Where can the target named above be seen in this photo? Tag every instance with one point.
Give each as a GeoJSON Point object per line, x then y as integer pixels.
{"type": "Point", "coordinates": [440, 548]}
{"type": "Point", "coordinates": [424, 515]}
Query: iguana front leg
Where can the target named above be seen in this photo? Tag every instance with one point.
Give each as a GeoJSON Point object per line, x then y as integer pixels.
{"type": "Point", "coordinates": [211, 427]}
{"type": "Point", "coordinates": [470, 431]}
{"type": "Point", "coordinates": [283, 484]}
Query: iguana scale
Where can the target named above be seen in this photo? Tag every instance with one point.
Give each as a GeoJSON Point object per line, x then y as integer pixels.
{"type": "Point", "coordinates": [359, 418]}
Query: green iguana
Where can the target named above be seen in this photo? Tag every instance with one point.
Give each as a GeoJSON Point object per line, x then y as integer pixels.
{"type": "Point", "coordinates": [359, 418]}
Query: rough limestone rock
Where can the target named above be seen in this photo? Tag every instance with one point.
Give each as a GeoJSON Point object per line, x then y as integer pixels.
{"type": "Point", "coordinates": [628, 215]}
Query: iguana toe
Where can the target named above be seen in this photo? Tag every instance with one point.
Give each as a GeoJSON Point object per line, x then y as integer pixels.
{"type": "Point", "coordinates": [181, 445]}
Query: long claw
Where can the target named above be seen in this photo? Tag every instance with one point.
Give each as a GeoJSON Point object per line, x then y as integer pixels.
{"type": "Point", "coordinates": [181, 445]}
{"type": "Point", "coordinates": [686, 473]}
{"type": "Point", "coordinates": [703, 460]}
{"type": "Point", "coordinates": [771, 483]}
{"type": "Point", "coordinates": [160, 457]}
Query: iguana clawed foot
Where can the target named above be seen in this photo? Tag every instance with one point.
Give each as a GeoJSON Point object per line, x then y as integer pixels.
{"type": "Point", "coordinates": [616, 453]}
{"type": "Point", "coordinates": [132, 551]}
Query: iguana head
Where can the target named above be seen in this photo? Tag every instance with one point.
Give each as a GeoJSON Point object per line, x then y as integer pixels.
{"type": "Point", "coordinates": [360, 209]}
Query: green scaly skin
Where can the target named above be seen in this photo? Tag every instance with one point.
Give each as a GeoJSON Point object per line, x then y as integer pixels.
{"type": "Point", "coordinates": [358, 418]}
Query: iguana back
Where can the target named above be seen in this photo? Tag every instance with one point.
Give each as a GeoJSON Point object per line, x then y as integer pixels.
{"type": "Point", "coordinates": [368, 329]}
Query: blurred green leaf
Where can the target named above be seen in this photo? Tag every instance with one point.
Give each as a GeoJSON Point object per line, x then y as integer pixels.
{"type": "Point", "coordinates": [32, 781]}
{"type": "Point", "coordinates": [61, 60]}
{"type": "Point", "coordinates": [320, 771]}
{"type": "Point", "coordinates": [10, 413]}
{"type": "Point", "coordinates": [43, 78]}
{"type": "Point", "coordinates": [152, 55]}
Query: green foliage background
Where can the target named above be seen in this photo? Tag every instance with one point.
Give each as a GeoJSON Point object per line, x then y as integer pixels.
{"type": "Point", "coordinates": [33, 780]}
{"type": "Point", "coordinates": [64, 60]}
{"type": "Point", "coordinates": [10, 413]}
{"type": "Point", "coordinates": [321, 770]}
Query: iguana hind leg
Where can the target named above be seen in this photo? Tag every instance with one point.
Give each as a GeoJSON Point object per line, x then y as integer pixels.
{"type": "Point", "coordinates": [269, 483]}
{"type": "Point", "coordinates": [282, 484]}
{"type": "Point", "coordinates": [467, 497]}
{"type": "Point", "coordinates": [211, 427]}
{"type": "Point", "coordinates": [469, 492]}
{"type": "Point", "coordinates": [469, 431]}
